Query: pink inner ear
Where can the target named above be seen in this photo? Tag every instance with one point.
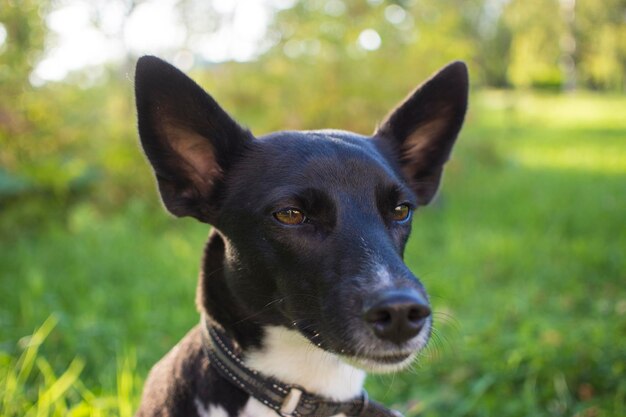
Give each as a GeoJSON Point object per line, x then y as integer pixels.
{"type": "Point", "coordinates": [197, 153]}
{"type": "Point", "coordinates": [416, 149]}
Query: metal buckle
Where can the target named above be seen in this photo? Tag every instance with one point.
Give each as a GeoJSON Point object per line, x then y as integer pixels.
{"type": "Point", "coordinates": [290, 403]}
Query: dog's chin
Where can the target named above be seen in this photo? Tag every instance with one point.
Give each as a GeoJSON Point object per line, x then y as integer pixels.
{"type": "Point", "coordinates": [381, 364]}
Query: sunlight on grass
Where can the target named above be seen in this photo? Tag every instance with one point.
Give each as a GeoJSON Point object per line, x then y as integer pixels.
{"type": "Point", "coordinates": [61, 394]}
{"type": "Point", "coordinates": [580, 132]}
{"type": "Point", "coordinates": [575, 110]}
{"type": "Point", "coordinates": [16, 373]}
{"type": "Point", "coordinates": [593, 157]}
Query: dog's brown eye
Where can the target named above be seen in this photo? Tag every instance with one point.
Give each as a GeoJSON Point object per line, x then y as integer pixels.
{"type": "Point", "coordinates": [290, 216]}
{"type": "Point", "coordinates": [401, 213]}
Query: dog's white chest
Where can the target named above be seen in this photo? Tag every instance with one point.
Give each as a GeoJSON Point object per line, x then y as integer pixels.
{"type": "Point", "coordinates": [292, 359]}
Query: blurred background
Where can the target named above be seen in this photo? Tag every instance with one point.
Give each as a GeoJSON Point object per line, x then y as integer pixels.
{"type": "Point", "coordinates": [523, 252]}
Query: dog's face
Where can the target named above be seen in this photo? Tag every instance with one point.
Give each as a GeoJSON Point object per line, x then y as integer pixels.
{"type": "Point", "coordinates": [315, 222]}
{"type": "Point", "coordinates": [320, 219]}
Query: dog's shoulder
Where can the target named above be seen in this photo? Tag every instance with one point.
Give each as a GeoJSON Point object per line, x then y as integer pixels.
{"type": "Point", "coordinates": [184, 384]}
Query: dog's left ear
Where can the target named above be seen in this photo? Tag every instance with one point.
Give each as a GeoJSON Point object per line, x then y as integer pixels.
{"type": "Point", "coordinates": [422, 130]}
{"type": "Point", "coordinates": [190, 141]}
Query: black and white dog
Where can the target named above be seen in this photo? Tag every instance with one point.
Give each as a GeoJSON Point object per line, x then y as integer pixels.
{"type": "Point", "coordinates": [303, 287]}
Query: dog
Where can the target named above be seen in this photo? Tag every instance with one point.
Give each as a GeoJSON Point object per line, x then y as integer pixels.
{"type": "Point", "coordinates": [303, 287]}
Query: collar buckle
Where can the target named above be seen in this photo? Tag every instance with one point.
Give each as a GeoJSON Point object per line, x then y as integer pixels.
{"type": "Point", "coordinates": [291, 401]}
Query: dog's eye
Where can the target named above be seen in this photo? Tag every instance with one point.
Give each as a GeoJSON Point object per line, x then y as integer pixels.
{"type": "Point", "coordinates": [401, 213]}
{"type": "Point", "coordinates": [290, 216]}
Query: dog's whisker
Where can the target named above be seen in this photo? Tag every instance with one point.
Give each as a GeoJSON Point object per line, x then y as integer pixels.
{"type": "Point", "coordinates": [213, 272]}
{"type": "Point", "coordinates": [446, 318]}
{"type": "Point", "coordinates": [261, 311]}
{"type": "Point", "coordinates": [439, 343]}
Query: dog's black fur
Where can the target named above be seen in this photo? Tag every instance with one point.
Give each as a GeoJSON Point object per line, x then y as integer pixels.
{"type": "Point", "coordinates": [324, 277]}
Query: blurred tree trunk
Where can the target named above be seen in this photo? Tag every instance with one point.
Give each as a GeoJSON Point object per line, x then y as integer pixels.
{"type": "Point", "coordinates": [568, 45]}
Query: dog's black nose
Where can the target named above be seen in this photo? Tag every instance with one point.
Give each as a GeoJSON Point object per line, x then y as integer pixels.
{"type": "Point", "coordinates": [397, 316]}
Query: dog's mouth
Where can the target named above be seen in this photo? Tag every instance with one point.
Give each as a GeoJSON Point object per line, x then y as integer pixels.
{"type": "Point", "coordinates": [392, 359]}
{"type": "Point", "coordinates": [382, 363]}
{"type": "Point", "coordinates": [369, 357]}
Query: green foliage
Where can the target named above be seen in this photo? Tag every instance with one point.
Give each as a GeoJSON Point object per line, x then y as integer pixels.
{"type": "Point", "coordinates": [25, 36]}
{"type": "Point", "coordinates": [535, 51]}
{"type": "Point", "coordinates": [601, 38]}
{"type": "Point", "coordinates": [541, 43]}
{"type": "Point", "coordinates": [62, 141]}
{"type": "Point", "coordinates": [522, 256]}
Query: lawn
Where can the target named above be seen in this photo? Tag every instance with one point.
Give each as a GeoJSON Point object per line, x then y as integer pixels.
{"type": "Point", "coordinates": [523, 254]}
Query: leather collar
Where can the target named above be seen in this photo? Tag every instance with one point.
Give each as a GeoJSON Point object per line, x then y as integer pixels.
{"type": "Point", "coordinates": [285, 399]}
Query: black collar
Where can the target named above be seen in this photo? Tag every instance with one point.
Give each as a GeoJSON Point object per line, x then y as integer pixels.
{"type": "Point", "coordinates": [286, 400]}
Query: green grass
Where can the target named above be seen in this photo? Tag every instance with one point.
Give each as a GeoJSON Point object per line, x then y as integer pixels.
{"type": "Point", "coordinates": [523, 255]}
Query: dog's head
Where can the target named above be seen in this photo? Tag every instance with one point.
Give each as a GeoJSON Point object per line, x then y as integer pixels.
{"type": "Point", "coordinates": [314, 223]}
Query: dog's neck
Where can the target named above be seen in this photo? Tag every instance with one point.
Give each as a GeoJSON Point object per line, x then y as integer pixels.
{"type": "Point", "coordinates": [273, 350]}
{"type": "Point", "coordinates": [289, 357]}
{"type": "Point", "coordinates": [215, 300]}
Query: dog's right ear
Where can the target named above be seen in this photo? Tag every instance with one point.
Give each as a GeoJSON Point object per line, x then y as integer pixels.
{"type": "Point", "coordinates": [422, 130]}
{"type": "Point", "coordinates": [189, 140]}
